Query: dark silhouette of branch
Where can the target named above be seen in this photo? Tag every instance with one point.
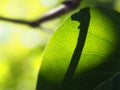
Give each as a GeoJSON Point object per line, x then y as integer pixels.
{"type": "Point", "coordinates": [14, 20]}
{"type": "Point", "coordinates": [66, 6]}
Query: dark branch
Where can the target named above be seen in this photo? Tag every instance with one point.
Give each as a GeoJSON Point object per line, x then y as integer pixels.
{"type": "Point", "coordinates": [14, 20]}
{"type": "Point", "coordinates": [66, 6]}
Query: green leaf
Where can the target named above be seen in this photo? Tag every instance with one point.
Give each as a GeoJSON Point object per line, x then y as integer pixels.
{"type": "Point", "coordinates": [83, 52]}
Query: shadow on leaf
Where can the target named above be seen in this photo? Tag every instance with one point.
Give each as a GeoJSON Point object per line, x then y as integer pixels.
{"type": "Point", "coordinates": [83, 17]}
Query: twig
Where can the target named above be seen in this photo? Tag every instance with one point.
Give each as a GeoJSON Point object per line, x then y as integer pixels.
{"type": "Point", "coordinates": [66, 6]}
{"type": "Point", "coordinates": [14, 20]}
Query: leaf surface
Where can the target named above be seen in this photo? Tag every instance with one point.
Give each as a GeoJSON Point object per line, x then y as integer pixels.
{"type": "Point", "coordinates": [83, 52]}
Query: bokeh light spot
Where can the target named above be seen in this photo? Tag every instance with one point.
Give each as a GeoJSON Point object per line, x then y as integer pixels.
{"type": "Point", "coordinates": [4, 70]}
{"type": "Point", "coordinates": [5, 34]}
{"type": "Point", "coordinates": [48, 3]}
{"type": "Point", "coordinates": [30, 39]}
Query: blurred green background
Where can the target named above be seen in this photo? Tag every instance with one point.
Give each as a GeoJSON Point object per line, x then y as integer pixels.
{"type": "Point", "coordinates": [21, 46]}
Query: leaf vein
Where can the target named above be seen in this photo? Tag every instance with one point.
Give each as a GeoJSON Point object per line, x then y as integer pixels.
{"type": "Point", "coordinates": [102, 38]}
{"type": "Point", "coordinates": [94, 54]}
